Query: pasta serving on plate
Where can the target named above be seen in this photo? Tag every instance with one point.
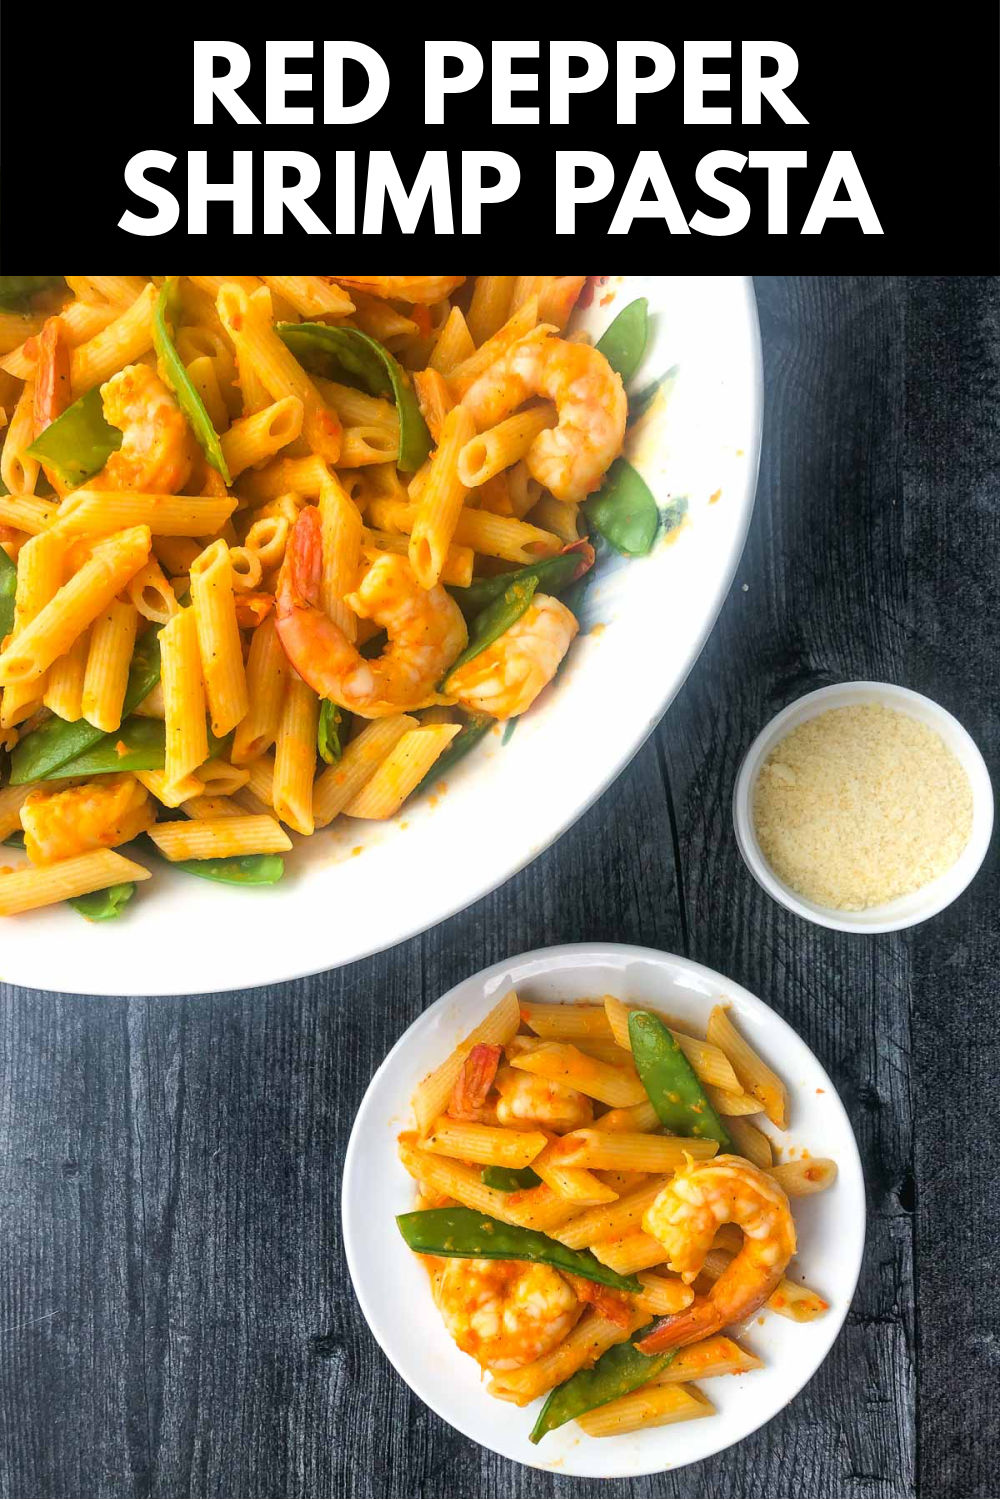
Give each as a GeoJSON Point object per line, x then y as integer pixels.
{"type": "Point", "coordinates": [599, 1211]}
{"type": "Point", "coordinates": [277, 550]}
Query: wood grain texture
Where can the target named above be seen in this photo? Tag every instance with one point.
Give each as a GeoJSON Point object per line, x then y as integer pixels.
{"type": "Point", "coordinates": [175, 1313]}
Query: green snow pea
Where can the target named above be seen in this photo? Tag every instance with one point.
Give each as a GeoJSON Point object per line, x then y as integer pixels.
{"type": "Point", "coordinates": [241, 869]}
{"type": "Point", "coordinates": [491, 622]}
{"type": "Point", "coordinates": [551, 574]}
{"type": "Point", "coordinates": [349, 356]}
{"type": "Point", "coordinates": [330, 732]}
{"type": "Point", "coordinates": [500, 607]}
{"type": "Point", "coordinates": [465, 740]}
{"type": "Point", "coordinates": [8, 588]}
{"type": "Point", "coordinates": [144, 742]}
{"type": "Point", "coordinates": [15, 290]}
{"type": "Point", "coordinates": [463, 1233]}
{"type": "Point", "coordinates": [624, 511]}
{"type": "Point", "coordinates": [78, 444]}
{"type": "Point", "coordinates": [671, 1082]}
{"type": "Point", "coordinates": [165, 317]}
{"type": "Point", "coordinates": [623, 342]}
{"type": "Point", "coordinates": [510, 1179]}
{"type": "Point", "coordinates": [42, 754]}
{"type": "Point", "coordinates": [619, 1370]}
{"type": "Point", "coordinates": [102, 906]}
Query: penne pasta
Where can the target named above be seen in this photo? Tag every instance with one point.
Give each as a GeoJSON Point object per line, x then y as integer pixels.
{"type": "Point", "coordinates": [441, 502]}
{"type": "Point", "coordinates": [112, 637]}
{"type": "Point", "coordinates": [566, 1064]}
{"type": "Point", "coordinates": [219, 838]}
{"type": "Point", "coordinates": [485, 1144]}
{"type": "Point", "coordinates": [342, 782]}
{"type": "Point", "coordinates": [44, 885]}
{"type": "Point", "coordinates": [76, 605]}
{"type": "Point", "coordinates": [295, 756]}
{"type": "Point", "coordinates": [214, 608]}
{"type": "Point", "coordinates": [98, 512]}
{"type": "Point", "coordinates": [254, 439]}
{"type": "Point", "coordinates": [754, 1076]}
{"type": "Point", "coordinates": [183, 697]}
{"type": "Point", "coordinates": [402, 770]}
{"type": "Point", "coordinates": [626, 1152]}
{"type": "Point", "coordinates": [650, 1406]}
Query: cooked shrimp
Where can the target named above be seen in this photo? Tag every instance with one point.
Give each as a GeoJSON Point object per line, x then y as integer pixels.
{"type": "Point", "coordinates": [508, 676]}
{"type": "Point", "coordinates": [526, 1099]}
{"type": "Point", "coordinates": [96, 815]}
{"type": "Point", "coordinates": [425, 628]}
{"type": "Point", "coordinates": [571, 458]}
{"type": "Point", "coordinates": [422, 289]}
{"type": "Point", "coordinates": [685, 1218]}
{"type": "Point", "coordinates": [474, 1082]}
{"type": "Point", "coordinates": [614, 1306]}
{"type": "Point", "coordinates": [157, 449]}
{"type": "Point", "coordinates": [505, 1313]}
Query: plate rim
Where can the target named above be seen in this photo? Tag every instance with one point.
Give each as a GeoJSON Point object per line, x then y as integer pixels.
{"type": "Point", "coordinates": [556, 956]}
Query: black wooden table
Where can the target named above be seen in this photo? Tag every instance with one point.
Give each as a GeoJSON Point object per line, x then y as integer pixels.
{"type": "Point", "coordinates": [175, 1313]}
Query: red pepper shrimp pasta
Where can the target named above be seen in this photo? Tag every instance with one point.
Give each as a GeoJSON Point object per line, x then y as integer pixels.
{"type": "Point", "coordinates": [600, 1210]}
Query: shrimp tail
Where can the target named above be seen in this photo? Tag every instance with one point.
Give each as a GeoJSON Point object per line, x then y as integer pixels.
{"type": "Point", "coordinates": [698, 1321]}
{"type": "Point", "coordinates": [301, 575]}
{"type": "Point", "coordinates": [474, 1081]}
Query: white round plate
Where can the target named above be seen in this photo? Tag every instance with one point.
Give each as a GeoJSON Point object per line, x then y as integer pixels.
{"type": "Point", "coordinates": [360, 887]}
{"type": "Point", "coordinates": [392, 1285]}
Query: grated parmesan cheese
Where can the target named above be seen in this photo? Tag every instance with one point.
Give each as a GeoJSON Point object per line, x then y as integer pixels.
{"type": "Point", "coordinates": [861, 805]}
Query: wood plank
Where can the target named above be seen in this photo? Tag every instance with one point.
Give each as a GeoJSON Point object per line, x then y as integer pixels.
{"type": "Point", "coordinates": [953, 542]}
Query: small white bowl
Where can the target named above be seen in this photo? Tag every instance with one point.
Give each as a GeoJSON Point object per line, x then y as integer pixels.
{"type": "Point", "coordinates": [905, 911]}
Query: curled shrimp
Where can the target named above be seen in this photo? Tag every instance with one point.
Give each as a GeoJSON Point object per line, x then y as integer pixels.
{"type": "Point", "coordinates": [526, 1099]}
{"type": "Point", "coordinates": [421, 289]}
{"type": "Point", "coordinates": [685, 1217]}
{"type": "Point", "coordinates": [425, 628]}
{"type": "Point", "coordinates": [508, 676]}
{"type": "Point", "coordinates": [571, 458]}
{"type": "Point", "coordinates": [505, 1313]}
{"type": "Point", "coordinates": [157, 449]}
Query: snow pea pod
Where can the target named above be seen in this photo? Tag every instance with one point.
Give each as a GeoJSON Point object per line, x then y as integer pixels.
{"type": "Point", "coordinates": [501, 607]}
{"type": "Point", "coordinates": [510, 1179]}
{"type": "Point", "coordinates": [353, 358]}
{"type": "Point", "coordinates": [241, 869]}
{"type": "Point", "coordinates": [463, 1233]}
{"type": "Point", "coordinates": [619, 1370]}
{"type": "Point", "coordinates": [330, 731]}
{"type": "Point", "coordinates": [490, 624]}
{"type": "Point", "coordinates": [42, 754]}
{"type": "Point", "coordinates": [8, 588]}
{"type": "Point", "coordinates": [624, 511]}
{"type": "Point", "coordinates": [102, 906]}
{"type": "Point", "coordinates": [15, 290]}
{"type": "Point", "coordinates": [623, 342]}
{"type": "Point", "coordinates": [551, 574]}
{"type": "Point", "coordinates": [671, 1082]}
{"type": "Point", "coordinates": [139, 745]}
{"type": "Point", "coordinates": [78, 444]}
{"type": "Point", "coordinates": [465, 740]}
{"type": "Point", "coordinates": [172, 370]}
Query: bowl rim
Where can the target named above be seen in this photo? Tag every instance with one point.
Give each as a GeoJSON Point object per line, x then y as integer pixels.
{"type": "Point", "coordinates": [941, 891]}
{"type": "Point", "coordinates": [544, 961]}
